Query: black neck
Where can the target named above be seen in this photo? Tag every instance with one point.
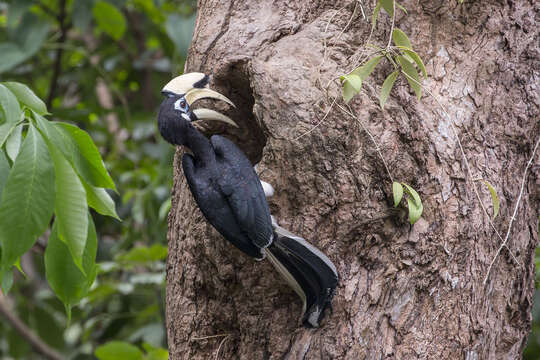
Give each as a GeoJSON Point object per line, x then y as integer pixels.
{"type": "Point", "coordinates": [199, 145]}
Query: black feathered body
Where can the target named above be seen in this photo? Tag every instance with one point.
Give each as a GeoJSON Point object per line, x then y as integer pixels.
{"type": "Point", "coordinates": [229, 194]}
{"type": "Point", "coordinates": [231, 197]}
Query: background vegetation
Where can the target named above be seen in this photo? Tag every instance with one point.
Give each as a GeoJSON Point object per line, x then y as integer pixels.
{"type": "Point", "coordinates": [100, 65]}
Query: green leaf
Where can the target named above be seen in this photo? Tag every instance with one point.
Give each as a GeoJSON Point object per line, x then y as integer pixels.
{"type": "Point", "coordinates": [157, 354]}
{"type": "Point", "coordinates": [180, 31]}
{"type": "Point", "coordinates": [148, 7]}
{"type": "Point", "coordinates": [13, 142]}
{"type": "Point", "coordinates": [375, 15]}
{"type": "Point", "coordinates": [109, 19]}
{"type": "Point", "coordinates": [47, 325]}
{"type": "Point", "coordinates": [142, 254]}
{"type": "Point", "coordinates": [365, 70]}
{"type": "Point", "coordinates": [410, 191]}
{"type": "Point", "coordinates": [388, 6]}
{"type": "Point", "coordinates": [494, 199]}
{"type": "Point", "coordinates": [82, 13]}
{"type": "Point", "coordinates": [10, 56]}
{"type": "Point", "coordinates": [31, 33]}
{"type": "Point", "coordinates": [70, 207]}
{"type": "Point", "coordinates": [348, 91]}
{"type": "Point", "coordinates": [100, 200]}
{"type": "Point", "coordinates": [27, 199]}
{"type": "Point", "coordinates": [352, 83]}
{"type": "Point", "coordinates": [23, 42]}
{"type": "Point", "coordinates": [16, 11]}
{"type": "Point", "coordinates": [397, 191]}
{"type": "Point", "coordinates": [27, 97]}
{"type": "Point", "coordinates": [164, 209]}
{"type": "Point", "coordinates": [86, 157]}
{"type": "Point", "coordinates": [153, 352]}
{"type": "Point", "coordinates": [4, 171]}
{"type": "Point", "coordinates": [400, 39]}
{"type": "Point", "coordinates": [19, 267]}
{"type": "Point", "coordinates": [10, 105]}
{"type": "Point", "coordinates": [354, 80]}
{"type": "Point", "coordinates": [414, 203]}
{"type": "Point", "coordinates": [5, 131]}
{"type": "Point", "coordinates": [416, 58]}
{"type": "Point", "coordinates": [412, 75]}
{"type": "Point", "coordinates": [114, 350]}
{"type": "Point", "coordinates": [414, 211]}
{"type": "Point", "coordinates": [64, 277]}
{"type": "Point", "coordinates": [386, 88]}
{"type": "Point", "coordinates": [79, 149]}
{"type": "Point", "coordinates": [401, 7]}
{"type": "Point", "coordinates": [6, 280]}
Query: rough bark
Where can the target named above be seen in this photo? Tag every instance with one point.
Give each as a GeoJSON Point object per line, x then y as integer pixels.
{"type": "Point", "coordinates": [405, 292]}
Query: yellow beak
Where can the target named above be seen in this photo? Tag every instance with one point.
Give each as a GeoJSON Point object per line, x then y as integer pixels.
{"type": "Point", "coordinates": [194, 86]}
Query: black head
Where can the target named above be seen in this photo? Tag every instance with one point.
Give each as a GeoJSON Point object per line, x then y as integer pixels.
{"type": "Point", "coordinates": [176, 116]}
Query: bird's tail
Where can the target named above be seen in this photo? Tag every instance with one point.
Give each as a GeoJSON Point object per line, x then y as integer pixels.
{"type": "Point", "coordinates": [307, 270]}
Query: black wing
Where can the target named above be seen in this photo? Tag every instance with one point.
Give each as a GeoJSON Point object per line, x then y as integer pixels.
{"type": "Point", "coordinates": [241, 186]}
{"type": "Point", "coordinates": [215, 207]}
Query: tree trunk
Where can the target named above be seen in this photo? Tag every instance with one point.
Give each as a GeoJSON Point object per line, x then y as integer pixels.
{"type": "Point", "coordinates": [406, 292]}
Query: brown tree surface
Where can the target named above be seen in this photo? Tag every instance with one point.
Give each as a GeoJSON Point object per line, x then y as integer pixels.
{"type": "Point", "coordinates": [406, 292]}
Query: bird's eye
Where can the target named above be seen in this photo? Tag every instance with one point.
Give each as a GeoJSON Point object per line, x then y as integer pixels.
{"type": "Point", "coordinates": [181, 104]}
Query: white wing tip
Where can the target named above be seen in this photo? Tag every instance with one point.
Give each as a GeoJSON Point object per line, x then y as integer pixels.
{"type": "Point", "coordinates": [268, 189]}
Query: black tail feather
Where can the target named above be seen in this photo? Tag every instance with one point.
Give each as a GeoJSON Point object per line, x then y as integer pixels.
{"type": "Point", "coordinates": [307, 270]}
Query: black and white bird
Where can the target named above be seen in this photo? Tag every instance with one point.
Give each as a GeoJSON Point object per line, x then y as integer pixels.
{"type": "Point", "coordinates": [232, 199]}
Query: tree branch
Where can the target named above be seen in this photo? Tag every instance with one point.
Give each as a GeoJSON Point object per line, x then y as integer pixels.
{"type": "Point", "coordinates": [64, 27]}
{"type": "Point", "coordinates": [35, 341]}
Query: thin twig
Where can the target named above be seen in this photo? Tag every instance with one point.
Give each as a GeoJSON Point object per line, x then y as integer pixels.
{"type": "Point", "coordinates": [325, 45]}
{"type": "Point", "coordinates": [362, 9]}
{"type": "Point", "coordinates": [469, 171]}
{"type": "Point", "coordinates": [61, 18]}
{"type": "Point", "coordinates": [364, 47]}
{"type": "Point", "coordinates": [25, 332]}
{"type": "Point", "coordinates": [220, 345]}
{"type": "Point", "coordinates": [209, 336]}
{"type": "Point", "coordinates": [320, 121]}
{"type": "Point", "coordinates": [393, 24]}
{"type": "Point", "coordinates": [467, 166]}
{"type": "Point", "coordinates": [515, 211]}
{"type": "Point", "coordinates": [348, 22]}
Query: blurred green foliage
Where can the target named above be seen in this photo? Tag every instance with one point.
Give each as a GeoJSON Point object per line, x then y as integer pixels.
{"type": "Point", "coordinates": [100, 64]}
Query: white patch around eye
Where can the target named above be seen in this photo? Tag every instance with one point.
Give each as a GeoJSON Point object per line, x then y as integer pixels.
{"type": "Point", "coordinates": [185, 116]}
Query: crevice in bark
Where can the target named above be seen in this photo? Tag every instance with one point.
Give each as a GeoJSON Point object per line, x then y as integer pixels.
{"type": "Point", "coordinates": [250, 137]}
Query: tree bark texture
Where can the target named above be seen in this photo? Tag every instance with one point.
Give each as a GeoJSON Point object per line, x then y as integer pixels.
{"type": "Point", "coordinates": [406, 292]}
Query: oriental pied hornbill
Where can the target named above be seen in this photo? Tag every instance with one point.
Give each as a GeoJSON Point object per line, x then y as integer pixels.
{"type": "Point", "coordinates": [231, 197]}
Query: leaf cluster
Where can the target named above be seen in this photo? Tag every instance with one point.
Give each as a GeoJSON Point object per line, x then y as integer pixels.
{"type": "Point", "coordinates": [401, 56]}
{"type": "Point", "coordinates": [55, 169]}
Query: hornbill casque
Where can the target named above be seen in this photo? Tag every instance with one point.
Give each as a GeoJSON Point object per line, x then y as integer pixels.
{"type": "Point", "coordinates": [231, 197]}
